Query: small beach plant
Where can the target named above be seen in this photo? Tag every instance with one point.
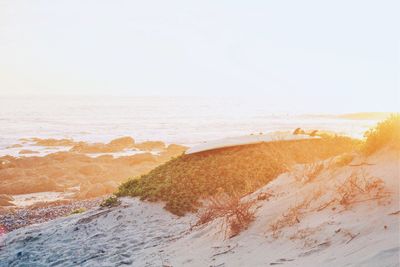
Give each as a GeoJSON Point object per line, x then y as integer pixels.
{"type": "Point", "coordinates": [109, 202]}
{"type": "Point", "coordinates": [386, 133]}
{"type": "Point", "coordinates": [77, 211]}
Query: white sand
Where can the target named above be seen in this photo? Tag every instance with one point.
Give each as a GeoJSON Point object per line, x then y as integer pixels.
{"type": "Point", "coordinates": [321, 238]}
{"type": "Point", "coordinates": [143, 234]}
{"type": "Point", "coordinates": [246, 140]}
{"type": "Point", "coordinates": [132, 234]}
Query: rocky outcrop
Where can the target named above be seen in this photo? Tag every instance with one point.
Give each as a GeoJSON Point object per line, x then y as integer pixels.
{"type": "Point", "coordinates": [5, 200]}
{"type": "Point", "coordinates": [89, 190]}
{"type": "Point", "coordinates": [150, 145]}
{"type": "Point", "coordinates": [14, 146]}
{"type": "Point", "coordinates": [63, 170]}
{"type": "Point", "coordinates": [53, 142]}
{"type": "Point", "coordinates": [172, 151]}
{"type": "Point", "coordinates": [27, 151]}
{"type": "Point", "coordinates": [115, 145]}
{"type": "Point", "coordinates": [122, 143]}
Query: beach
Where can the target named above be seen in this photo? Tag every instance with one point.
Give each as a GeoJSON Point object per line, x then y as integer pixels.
{"type": "Point", "coordinates": [300, 222]}
{"type": "Point", "coordinates": [199, 134]}
{"type": "Point", "coordinates": [302, 195]}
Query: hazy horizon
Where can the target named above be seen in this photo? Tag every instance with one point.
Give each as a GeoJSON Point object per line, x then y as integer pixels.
{"type": "Point", "coordinates": [341, 56]}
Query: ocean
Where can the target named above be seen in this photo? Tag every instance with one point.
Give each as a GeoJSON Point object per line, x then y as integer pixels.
{"type": "Point", "coordinates": [180, 120]}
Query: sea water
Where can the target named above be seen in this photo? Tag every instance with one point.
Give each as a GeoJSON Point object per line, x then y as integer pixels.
{"type": "Point", "coordinates": [180, 120]}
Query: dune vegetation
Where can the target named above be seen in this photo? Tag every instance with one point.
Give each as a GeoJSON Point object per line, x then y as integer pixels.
{"type": "Point", "coordinates": [386, 133]}
{"type": "Point", "coordinates": [186, 180]}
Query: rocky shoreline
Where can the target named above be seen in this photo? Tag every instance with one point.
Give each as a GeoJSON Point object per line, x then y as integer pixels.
{"type": "Point", "coordinates": [12, 218]}
{"type": "Point", "coordinates": [90, 167]}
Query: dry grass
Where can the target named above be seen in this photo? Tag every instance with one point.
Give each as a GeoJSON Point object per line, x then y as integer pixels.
{"type": "Point", "coordinates": [358, 187]}
{"type": "Point", "coordinates": [386, 133]}
{"type": "Point", "coordinates": [236, 213]}
{"type": "Point", "coordinates": [308, 172]}
{"type": "Point", "coordinates": [294, 214]}
{"type": "Point", "coordinates": [343, 160]}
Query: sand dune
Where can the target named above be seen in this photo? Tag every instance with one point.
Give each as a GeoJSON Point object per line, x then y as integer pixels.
{"type": "Point", "coordinates": [306, 222]}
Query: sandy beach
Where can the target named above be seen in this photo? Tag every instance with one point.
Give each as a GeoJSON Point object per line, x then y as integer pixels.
{"type": "Point", "coordinates": [199, 133]}
{"type": "Point", "coordinates": [299, 220]}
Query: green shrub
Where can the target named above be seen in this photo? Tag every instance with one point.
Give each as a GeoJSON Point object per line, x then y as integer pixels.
{"type": "Point", "coordinates": [184, 181]}
{"type": "Point", "coordinates": [77, 211]}
{"type": "Point", "coordinates": [112, 201]}
{"type": "Point", "coordinates": [386, 133]}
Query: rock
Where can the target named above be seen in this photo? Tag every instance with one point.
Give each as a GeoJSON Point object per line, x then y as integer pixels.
{"type": "Point", "coordinates": [27, 151]}
{"type": "Point", "coordinates": [313, 133]}
{"type": "Point", "coordinates": [59, 156]}
{"type": "Point", "coordinates": [178, 149]}
{"type": "Point", "coordinates": [46, 184]}
{"type": "Point", "coordinates": [54, 142]}
{"type": "Point", "coordinates": [105, 158]}
{"type": "Point", "coordinates": [122, 143]}
{"type": "Point", "coordinates": [150, 145]}
{"type": "Point", "coordinates": [137, 159]}
{"type": "Point", "coordinates": [63, 170]}
{"type": "Point", "coordinates": [5, 203]}
{"type": "Point", "coordinates": [298, 131]}
{"type": "Point", "coordinates": [90, 170]}
{"type": "Point", "coordinates": [25, 186]}
{"type": "Point", "coordinates": [111, 186]}
{"type": "Point", "coordinates": [90, 148]}
{"type": "Point", "coordinates": [6, 163]}
{"type": "Point", "coordinates": [96, 190]}
{"type": "Point", "coordinates": [115, 145]}
{"type": "Point", "coordinates": [14, 146]}
{"type": "Point", "coordinates": [6, 197]}
{"type": "Point", "coordinates": [172, 151]}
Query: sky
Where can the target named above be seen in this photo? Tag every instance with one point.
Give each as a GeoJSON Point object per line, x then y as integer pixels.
{"type": "Point", "coordinates": [329, 54]}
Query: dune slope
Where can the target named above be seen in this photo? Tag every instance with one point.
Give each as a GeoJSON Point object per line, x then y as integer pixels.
{"type": "Point", "coordinates": [324, 220]}
{"type": "Point", "coordinates": [345, 214]}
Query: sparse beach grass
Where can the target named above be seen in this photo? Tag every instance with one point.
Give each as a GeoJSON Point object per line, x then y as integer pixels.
{"type": "Point", "coordinates": [385, 133]}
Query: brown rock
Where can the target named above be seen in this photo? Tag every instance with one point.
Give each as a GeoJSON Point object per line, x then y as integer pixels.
{"type": "Point", "coordinates": [92, 169]}
{"type": "Point", "coordinates": [137, 159]}
{"type": "Point", "coordinates": [115, 145]}
{"type": "Point", "coordinates": [6, 163]}
{"type": "Point", "coordinates": [6, 197]}
{"type": "Point", "coordinates": [172, 151]}
{"type": "Point", "coordinates": [178, 149]}
{"type": "Point", "coordinates": [105, 158]}
{"type": "Point", "coordinates": [27, 151]}
{"type": "Point", "coordinates": [4, 203]}
{"type": "Point", "coordinates": [54, 142]}
{"type": "Point", "coordinates": [15, 146]}
{"type": "Point", "coordinates": [96, 190]}
{"type": "Point", "coordinates": [150, 145]}
{"type": "Point", "coordinates": [90, 148]}
{"type": "Point", "coordinates": [122, 143]}
{"type": "Point", "coordinates": [111, 186]}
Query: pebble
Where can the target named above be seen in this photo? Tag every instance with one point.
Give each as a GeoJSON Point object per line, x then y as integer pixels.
{"type": "Point", "coordinates": [17, 217]}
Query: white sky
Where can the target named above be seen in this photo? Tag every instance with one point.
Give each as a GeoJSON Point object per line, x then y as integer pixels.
{"type": "Point", "coordinates": [341, 55]}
